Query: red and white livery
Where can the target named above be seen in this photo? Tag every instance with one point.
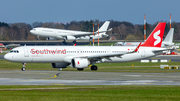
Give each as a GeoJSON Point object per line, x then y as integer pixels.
{"type": "Point", "coordinates": [81, 57]}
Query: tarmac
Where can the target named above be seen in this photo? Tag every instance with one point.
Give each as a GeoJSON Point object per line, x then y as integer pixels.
{"type": "Point", "coordinates": [15, 77]}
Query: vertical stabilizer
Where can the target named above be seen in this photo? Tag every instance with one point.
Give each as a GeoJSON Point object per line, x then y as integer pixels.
{"type": "Point", "coordinates": [155, 38]}
{"type": "Point", "coordinates": [169, 36]}
{"type": "Point", "coordinates": [104, 27]}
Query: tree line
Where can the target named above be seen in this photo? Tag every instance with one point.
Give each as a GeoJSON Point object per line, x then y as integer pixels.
{"type": "Point", "coordinates": [121, 30]}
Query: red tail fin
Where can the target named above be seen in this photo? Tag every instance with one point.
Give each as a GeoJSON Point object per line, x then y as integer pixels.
{"type": "Point", "coordinates": [155, 38]}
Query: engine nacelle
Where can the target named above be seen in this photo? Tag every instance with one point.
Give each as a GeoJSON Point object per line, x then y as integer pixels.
{"type": "Point", "coordinates": [59, 65]}
{"type": "Point", "coordinates": [70, 38]}
{"type": "Point", "coordinates": [80, 62]}
{"type": "Point", "coordinates": [51, 38]}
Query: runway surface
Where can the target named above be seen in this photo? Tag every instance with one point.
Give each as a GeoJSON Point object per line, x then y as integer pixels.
{"type": "Point", "coordinates": [86, 78]}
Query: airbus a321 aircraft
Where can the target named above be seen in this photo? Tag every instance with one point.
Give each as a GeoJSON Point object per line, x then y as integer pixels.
{"type": "Point", "coordinates": [81, 57]}
{"type": "Point", "coordinates": [53, 34]}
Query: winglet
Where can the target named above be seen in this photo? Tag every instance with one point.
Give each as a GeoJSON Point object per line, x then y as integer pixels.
{"type": "Point", "coordinates": [137, 48]}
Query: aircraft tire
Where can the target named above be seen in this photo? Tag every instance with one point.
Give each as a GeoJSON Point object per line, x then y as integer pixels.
{"type": "Point", "coordinates": [94, 67]}
{"type": "Point", "coordinates": [80, 69]}
{"type": "Point", "coordinates": [23, 68]}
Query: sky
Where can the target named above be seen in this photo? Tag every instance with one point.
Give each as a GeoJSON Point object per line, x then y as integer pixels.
{"type": "Point", "coordinates": [29, 11]}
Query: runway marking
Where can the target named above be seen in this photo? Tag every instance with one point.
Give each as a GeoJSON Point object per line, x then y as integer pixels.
{"type": "Point", "coordinates": [52, 77]}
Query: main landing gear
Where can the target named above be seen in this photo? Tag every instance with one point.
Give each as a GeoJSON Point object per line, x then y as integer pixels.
{"type": "Point", "coordinates": [94, 67]}
{"type": "Point", "coordinates": [64, 42]}
{"type": "Point", "coordinates": [23, 68]}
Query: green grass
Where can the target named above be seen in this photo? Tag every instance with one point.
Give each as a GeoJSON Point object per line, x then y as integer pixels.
{"type": "Point", "coordinates": [102, 67]}
{"type": "Point", "coordinates": [5, 52]}
{"type": "Point", "coordinates": [89, 93]}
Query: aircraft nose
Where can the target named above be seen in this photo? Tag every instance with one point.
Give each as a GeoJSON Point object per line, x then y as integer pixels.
{"type": "Point", "coordinates": [31, 31]}
{"type": "Point", "coordinates": [8, 57]}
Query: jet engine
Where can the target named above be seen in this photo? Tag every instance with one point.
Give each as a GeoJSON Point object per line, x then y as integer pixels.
{"type": "Point", "coordinates": [70, 38]}
{"type": "Point", "coordinates": [59, 65]}
{"type": "Point", "coordinates": [80, 62]}
{"type": "Point", "coordinates": [51, 38]}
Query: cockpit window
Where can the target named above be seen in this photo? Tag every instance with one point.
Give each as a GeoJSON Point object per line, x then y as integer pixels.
{"type": "Point", "coordinates": [14, 51]}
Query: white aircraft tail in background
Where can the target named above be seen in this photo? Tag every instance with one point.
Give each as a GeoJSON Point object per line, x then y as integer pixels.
{"type": "Point", "coordinates": [103, 30]}
{"type": "Point", "coordinates": [168, 41]}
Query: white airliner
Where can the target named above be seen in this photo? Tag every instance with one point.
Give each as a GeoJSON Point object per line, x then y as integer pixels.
{"type": "Point", "coordinates": [53, 34]}
{"type": "Point", "coordinates": [81, 57]}
{"type": "Point", "coordinates": [168, 41]}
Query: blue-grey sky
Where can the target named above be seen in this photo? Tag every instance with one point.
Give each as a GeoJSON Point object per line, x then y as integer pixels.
{"type": "Point", "coordinates": [29, 11]}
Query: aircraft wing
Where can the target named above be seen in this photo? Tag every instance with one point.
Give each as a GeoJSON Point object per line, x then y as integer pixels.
{"type": "Point", "coordinates": [107, 56]}
{"type": "Point", "coordinates": [100, 56]}
{"type": "Point", "coordinates": [160, 50]}
{"type": "Point", "coordinates": [86, 34]}
{"type": "Point", "coordinates": [94, 57]}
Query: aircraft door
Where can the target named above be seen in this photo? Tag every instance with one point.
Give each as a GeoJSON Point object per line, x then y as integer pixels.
{"type": "Point", "coordinates": [26, 53]}
{"type": "Point", "coordinates": [143, 52]}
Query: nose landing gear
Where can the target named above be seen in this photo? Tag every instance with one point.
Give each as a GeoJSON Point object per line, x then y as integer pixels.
{"type": "Point", "coordinates": [23, 68]}
{"type": "Point", "coordinates": [37, 37]}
